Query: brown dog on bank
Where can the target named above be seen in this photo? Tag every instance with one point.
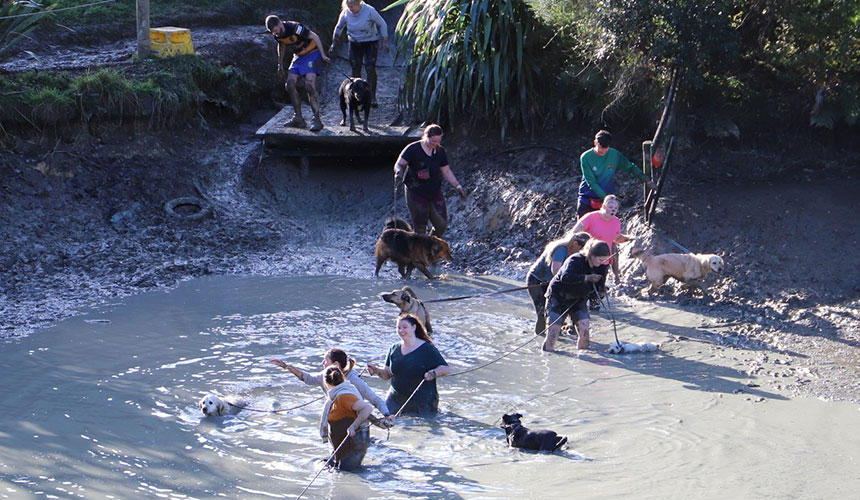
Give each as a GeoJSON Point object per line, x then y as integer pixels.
{"type": "Point", "coordinates": [406, 300]}
{"type": "Point", "coordinates": [689, 269]}
{"type": "Point", "coordinates": [409, 250]}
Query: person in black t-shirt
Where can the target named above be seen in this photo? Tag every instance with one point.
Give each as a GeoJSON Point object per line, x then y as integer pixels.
{"type": "Point", "coordinates": [422, 165]}
{"type": "Point", "coordinates": [570, 288]}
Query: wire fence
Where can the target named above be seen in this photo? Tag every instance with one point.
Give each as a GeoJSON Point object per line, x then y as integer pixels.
{"type": "Point", "coordinates": [54, 11]}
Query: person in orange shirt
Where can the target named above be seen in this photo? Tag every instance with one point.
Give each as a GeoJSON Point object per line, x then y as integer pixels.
{"type": "Point", "coordinates": [307, 51]}
{"type": "Point", "coordinates": [346, 416]}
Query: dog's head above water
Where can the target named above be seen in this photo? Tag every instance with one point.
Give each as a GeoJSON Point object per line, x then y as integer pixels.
{"type": "Point", "coordinates": [401, 298]}
{"type": "Point", "coordinates": [211, 404]}
{"type": "Point", "coordinates": [511, 419]}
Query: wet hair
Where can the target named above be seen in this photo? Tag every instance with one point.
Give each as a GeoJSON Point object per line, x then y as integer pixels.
{"type": "Point", "coordinates": [603, 137]}
{"type": "Point", "coordinates": [272, 21]}
{"type": "Point", "coordinates": [571, 236]}
{"type": "Point", "coordinates": [420, 331]}
{"type": "Point", "coordinates": [345, 3]}
{"type": "Point", "coordinates": [596, 248]}
{"type": "Point", "coordinates": [339, 356]}
{"type": "Point", "coordinates": [432, 130]}
{"type": "Point", "coordinates": [333, 376]}
{"type": "Point", "coordinates": [611, 197]}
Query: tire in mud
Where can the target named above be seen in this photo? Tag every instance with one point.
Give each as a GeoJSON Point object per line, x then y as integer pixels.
{"type": "Point", "coordinates": [200, 209]}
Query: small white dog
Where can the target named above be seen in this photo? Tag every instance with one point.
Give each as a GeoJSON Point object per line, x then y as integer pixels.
{"type": "Point", "coordinates": [624, 347]}
{"type": "Point", "coordinates": [212, 405]}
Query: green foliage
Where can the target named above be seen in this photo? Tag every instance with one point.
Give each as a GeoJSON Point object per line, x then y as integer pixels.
{"type": "Point", "coordinates": [742, 62]}
{"type": "Point", "coordinates": [476, 59]}
{"type": "Point", "coordinates": [15, 29]}
{"type": "Point", "coordinates": [166, 91]}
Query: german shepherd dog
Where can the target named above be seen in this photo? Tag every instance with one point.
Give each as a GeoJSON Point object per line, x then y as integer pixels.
{"type": "Point", "coordinates": [409, 250]}
{"type": "Point", "coordinates": [354, 95]}
{"type": "Point", "coordinates": [520, 437]}
{"type": "Point", "coordinates": [408, 302]}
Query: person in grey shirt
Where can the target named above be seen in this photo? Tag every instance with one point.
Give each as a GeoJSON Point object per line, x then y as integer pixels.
{"type": "Point", "coordinates": [364, 29]}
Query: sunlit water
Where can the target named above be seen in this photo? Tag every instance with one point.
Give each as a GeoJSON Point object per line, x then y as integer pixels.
{"type": "Point", "coordinates": [104, 405]}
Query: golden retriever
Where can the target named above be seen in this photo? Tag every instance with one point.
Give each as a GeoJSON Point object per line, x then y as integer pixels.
{"type": "Point", "coordinates": [212, 405]}
{"type": "Point", "coordinates": [408, 302]}
{"type": "Point", "coordinates": [689, 269]}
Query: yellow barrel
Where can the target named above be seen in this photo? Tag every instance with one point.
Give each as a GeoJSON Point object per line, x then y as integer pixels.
{"type": "Point", "coordinates": [169, 41]}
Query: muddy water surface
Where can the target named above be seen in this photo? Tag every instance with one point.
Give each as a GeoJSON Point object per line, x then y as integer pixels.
{"type": "Point", "coordinates": [104, 405]}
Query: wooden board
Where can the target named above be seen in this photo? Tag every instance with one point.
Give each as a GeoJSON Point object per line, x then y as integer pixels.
{"type": "Point", "coordinates": [334, 139]}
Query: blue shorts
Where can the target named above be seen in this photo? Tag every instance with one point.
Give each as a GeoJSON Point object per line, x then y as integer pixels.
{"type": "Point", "coordinates": [302, 65]}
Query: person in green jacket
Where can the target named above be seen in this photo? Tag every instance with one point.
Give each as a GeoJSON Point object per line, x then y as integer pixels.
{"type": "Point", "coordinates": [599, 165]}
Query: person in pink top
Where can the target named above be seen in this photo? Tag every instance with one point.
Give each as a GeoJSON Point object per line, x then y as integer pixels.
{"type": "Point", "coordinates": [603, 225]}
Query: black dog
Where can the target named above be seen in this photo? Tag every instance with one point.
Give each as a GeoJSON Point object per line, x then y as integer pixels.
{"type": "Point", "coordinates": [520, 437]}
{"type": "Point", "coordinates": [354, 94]}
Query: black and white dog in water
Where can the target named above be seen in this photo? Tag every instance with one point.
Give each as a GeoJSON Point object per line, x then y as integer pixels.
{"type": "Point", "coordinates": [354, 94]}
{"type": "Point", "coordinates": [521, 437]}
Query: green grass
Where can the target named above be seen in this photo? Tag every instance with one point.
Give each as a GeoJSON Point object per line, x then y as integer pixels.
{"type": "Point", "coordinates": [168, 91]}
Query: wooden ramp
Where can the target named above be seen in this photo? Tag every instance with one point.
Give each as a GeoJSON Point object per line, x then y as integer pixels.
{"type": "Point", "coordinates": [334, 139]}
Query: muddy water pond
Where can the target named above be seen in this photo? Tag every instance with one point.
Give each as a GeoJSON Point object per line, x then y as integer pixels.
{"type": "Point", "coordinates": [104, 405]}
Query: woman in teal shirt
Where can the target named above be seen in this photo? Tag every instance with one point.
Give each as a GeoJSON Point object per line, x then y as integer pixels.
{"type": "Point", "coordinates": [410, 361]}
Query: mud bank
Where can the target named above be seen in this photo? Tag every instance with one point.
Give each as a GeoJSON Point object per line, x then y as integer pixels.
{"type": "Point", "coordinates": [85, 224]}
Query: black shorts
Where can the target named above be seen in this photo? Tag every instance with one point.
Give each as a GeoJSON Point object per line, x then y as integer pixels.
{"type": "Point", "coordinates": [362, 51]}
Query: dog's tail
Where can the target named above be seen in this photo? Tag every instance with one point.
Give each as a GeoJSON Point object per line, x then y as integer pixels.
{"type": "Point", "coordinates": [561, 442]}
{"type": "Point", "coordinates": [397, 223]}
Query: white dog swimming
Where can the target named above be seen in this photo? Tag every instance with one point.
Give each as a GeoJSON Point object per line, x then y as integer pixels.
{"type": "Point", "coordinates": [212, 405]}
{"type": "Point", "coordinates": [618, 347]}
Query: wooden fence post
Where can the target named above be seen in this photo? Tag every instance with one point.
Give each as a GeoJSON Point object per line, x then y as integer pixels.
{"type": "Point", "coordinates": [142, 28]}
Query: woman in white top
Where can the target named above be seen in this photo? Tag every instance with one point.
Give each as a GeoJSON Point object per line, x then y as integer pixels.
{"type": "Point", "coordinates": [339, 358]}
{"type": "Point", "coordinates": [364, 29]}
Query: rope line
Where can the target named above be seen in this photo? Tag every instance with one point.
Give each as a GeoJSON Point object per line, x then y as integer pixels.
{"type": "Point", "coordinates": [488, 294]}
{"type": "Point", "coordinates": [608, 311]}
{"type": "Point", "coordinates": [410, 397]}
{"type": "Point", "coordinates": [515, 349]}
{"type": "Point", "coordinates": [276, 411]}
{"type": "Point", "coordinates": [52, 11]}
{"type": "Point", "coordinates": [324, 467]}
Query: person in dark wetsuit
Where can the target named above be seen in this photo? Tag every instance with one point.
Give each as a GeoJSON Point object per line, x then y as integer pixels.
{"type": "Point", "coordinates": [410, 361]}
{"type": "Point", "coordinates": [422, 165]}
{"type": "Point", "coordinates": [569, 289]}
{"type": "Point", "coordinates": [307, 51]}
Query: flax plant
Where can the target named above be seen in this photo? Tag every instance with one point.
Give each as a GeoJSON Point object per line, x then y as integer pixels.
{"type": "Point", "coordinates": [470, 61]}
{"type": "Point", "coordinates": [14, 29]}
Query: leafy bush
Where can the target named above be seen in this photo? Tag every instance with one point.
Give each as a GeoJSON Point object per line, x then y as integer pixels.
{"type": "Point", "coordinates": [475, 59]}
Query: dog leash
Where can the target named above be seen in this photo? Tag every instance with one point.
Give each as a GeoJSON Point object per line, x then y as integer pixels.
{"type": "Point", "coordinates": [511, 408]}
{"type": "Point", "coordinates": [611, 316]}
{"type": "Point", "coordinates": [670, 240]}
{"type": "Point", "coordinates": [488, 294]}
{"type": "Point", "coordinates": [507, 353]}
{"type": "Point", "coordinates": [276, 411]}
